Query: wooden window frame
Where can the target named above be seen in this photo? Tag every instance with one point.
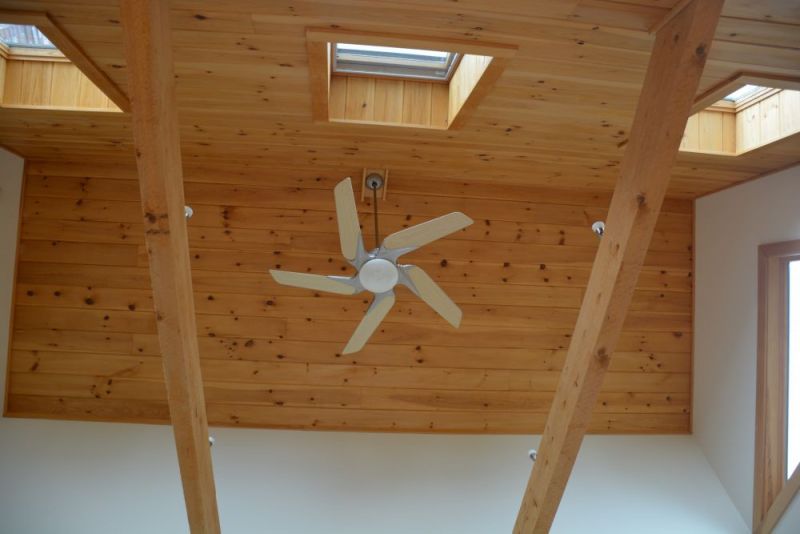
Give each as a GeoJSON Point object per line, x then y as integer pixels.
{"type": "Point", "coordinates": [773, 491]}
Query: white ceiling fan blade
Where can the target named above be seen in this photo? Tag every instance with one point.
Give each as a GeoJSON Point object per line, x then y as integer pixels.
{"type": "Point", "coordinates": [347, 216]}
{"type": "Point", "coordinates": [377, 311]}
{"type": "Point", "coordinates": [433, 295]}
{"type": "Point", "coordinates": [424, 233]}
{"type": "Point", "coordinates": [330, 284]}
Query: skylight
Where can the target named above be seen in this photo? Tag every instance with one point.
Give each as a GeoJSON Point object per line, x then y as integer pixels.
{"type": "Point", "coordinates": [793, 426]}
{"type": "Point", "coordinates": [393, 62]}
{"type": "Point", "coordinates": [743, 92]}
{"type": "Point", "coordinates": [23, 36]}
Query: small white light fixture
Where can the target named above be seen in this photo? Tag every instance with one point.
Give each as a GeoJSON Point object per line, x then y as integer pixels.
{"type": "Point", "coordinates": [188, 212]}
{"type": "Point", "coordinates": [378, 275]}
{"type": "Point", "coordinates": [211, 441]}
{"type": "Point", "coordinates": [532, 455]}
{"type": "Point", "coordinates": [599, 228]}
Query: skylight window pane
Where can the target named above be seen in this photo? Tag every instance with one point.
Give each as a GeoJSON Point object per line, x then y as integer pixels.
{"type": "Point", "coordinates": [743, 92]}
{"type": "Point", "coordinates": [16, 35]}
{"type": "Point", "coordinates": [393, 61]}
{"type": "Point", "coordinates": [793, 427]}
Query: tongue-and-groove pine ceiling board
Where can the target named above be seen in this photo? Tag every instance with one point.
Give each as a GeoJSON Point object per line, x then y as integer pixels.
{"type": "Point", "coordinates": [558, 116]}
{"type": "Point", "coordinates": [534, 166]}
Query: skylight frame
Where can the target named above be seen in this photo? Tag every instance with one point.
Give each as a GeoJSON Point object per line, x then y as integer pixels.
{"type": "Point", "coordinates": [744, 93]}
{"type": "Point", "coordinates": [25, 36]}
{"type": "Point", "coordinates": [379, 61]}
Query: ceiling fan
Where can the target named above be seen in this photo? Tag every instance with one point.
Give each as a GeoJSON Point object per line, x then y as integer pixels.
{"type": "Point", "coordinates": [378, 270]}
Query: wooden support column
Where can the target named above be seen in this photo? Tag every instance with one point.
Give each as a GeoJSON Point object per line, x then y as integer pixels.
{"type": "Point", "coordinates": [151, 87]}
{"type": "Point", "coordinates": [672, 79]}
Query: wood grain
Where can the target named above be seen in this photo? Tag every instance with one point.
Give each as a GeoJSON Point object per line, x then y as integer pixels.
{"type": "Point", "coordinates": [534, 166]}
{"type": "Point", "coordinates": [50, 85]}
{"type": "Point", "coordinates": [518, 273]}
{"type": "Point", "coordinates": [151, 83]}
{"type": "Point", "coordinates": [676, 64]}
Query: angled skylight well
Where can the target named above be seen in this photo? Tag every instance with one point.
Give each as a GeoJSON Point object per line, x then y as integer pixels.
{"type": "Point", "coordinates": [393, 62]}
{"type": "Point", "coordinates": [37, 75]}
{"type": "Point", "coordinates": [743, 114]}
{"type": "Point", "coordinates": [394, 80]}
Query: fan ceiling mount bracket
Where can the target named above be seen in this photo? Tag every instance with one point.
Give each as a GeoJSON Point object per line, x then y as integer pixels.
{"type": "Point", "coordinates": [374, 181]}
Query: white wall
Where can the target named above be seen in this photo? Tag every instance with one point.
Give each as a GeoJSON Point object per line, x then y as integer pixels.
{"type": "Point", "coordinates": [62, 477]}
{"type": "Point", "coordinates": [790, 522]}
{"type": "Point", "coordinates": [729, 227]}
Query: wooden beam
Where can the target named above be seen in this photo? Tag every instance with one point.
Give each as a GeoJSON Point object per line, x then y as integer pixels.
{"type": "Point", "coordinates": [673, 12]}
{"type": "Point", "coordinates": [151, 82]}
{"type": "Point", "coordinates": [671, 82]}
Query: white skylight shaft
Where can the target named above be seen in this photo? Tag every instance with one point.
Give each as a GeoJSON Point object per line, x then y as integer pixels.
{"type": "Point", "coordinates": [793, 408]}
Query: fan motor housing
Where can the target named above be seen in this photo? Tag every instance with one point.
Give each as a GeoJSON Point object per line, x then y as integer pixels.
{"type": "Point", "coordinates": [378, 275]}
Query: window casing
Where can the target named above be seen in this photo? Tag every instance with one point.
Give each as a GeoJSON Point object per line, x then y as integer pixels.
{"type": "Point", "coordinates": [777, 479]}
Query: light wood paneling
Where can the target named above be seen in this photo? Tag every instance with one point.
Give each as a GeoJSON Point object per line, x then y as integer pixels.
{"type": "Point", "coordinates": [84, 311]}
{"type": "Point", "coordinates": [51, 85]}
{"type": "Point", "coordinates": [767, 120]}
{"type": "Point", "coordinates": [465, 78]}
{"type": "Point", "coordinates": [534, 166]}
{"type": "Point", "coordinates": [360, 99]}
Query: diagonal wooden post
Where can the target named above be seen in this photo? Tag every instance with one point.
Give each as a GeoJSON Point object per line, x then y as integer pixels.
{"type": "Point", "coordinates": [672, 79]}
{"type": "Point", "coordinates": [151, 86]}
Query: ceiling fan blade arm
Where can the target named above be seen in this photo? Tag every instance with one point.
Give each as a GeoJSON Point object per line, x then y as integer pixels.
{"type": "Point", "coordinates": [380, 306]}
{"type": "Point", "coordinates": [421, 234]}
{"type": "Point", "coordinates": [429, 291]}
{"type": "Point", "coordinates": [350, 237]}
{"type": "Point", "coordinates": [330, 284]}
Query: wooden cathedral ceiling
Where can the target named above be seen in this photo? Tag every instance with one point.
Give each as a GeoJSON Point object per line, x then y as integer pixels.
{"type": "Point", "coordinates": [534, 166]}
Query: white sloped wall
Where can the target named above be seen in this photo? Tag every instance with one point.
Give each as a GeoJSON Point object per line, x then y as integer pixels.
{"type": "Point", "coordinates": [729, 227]}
